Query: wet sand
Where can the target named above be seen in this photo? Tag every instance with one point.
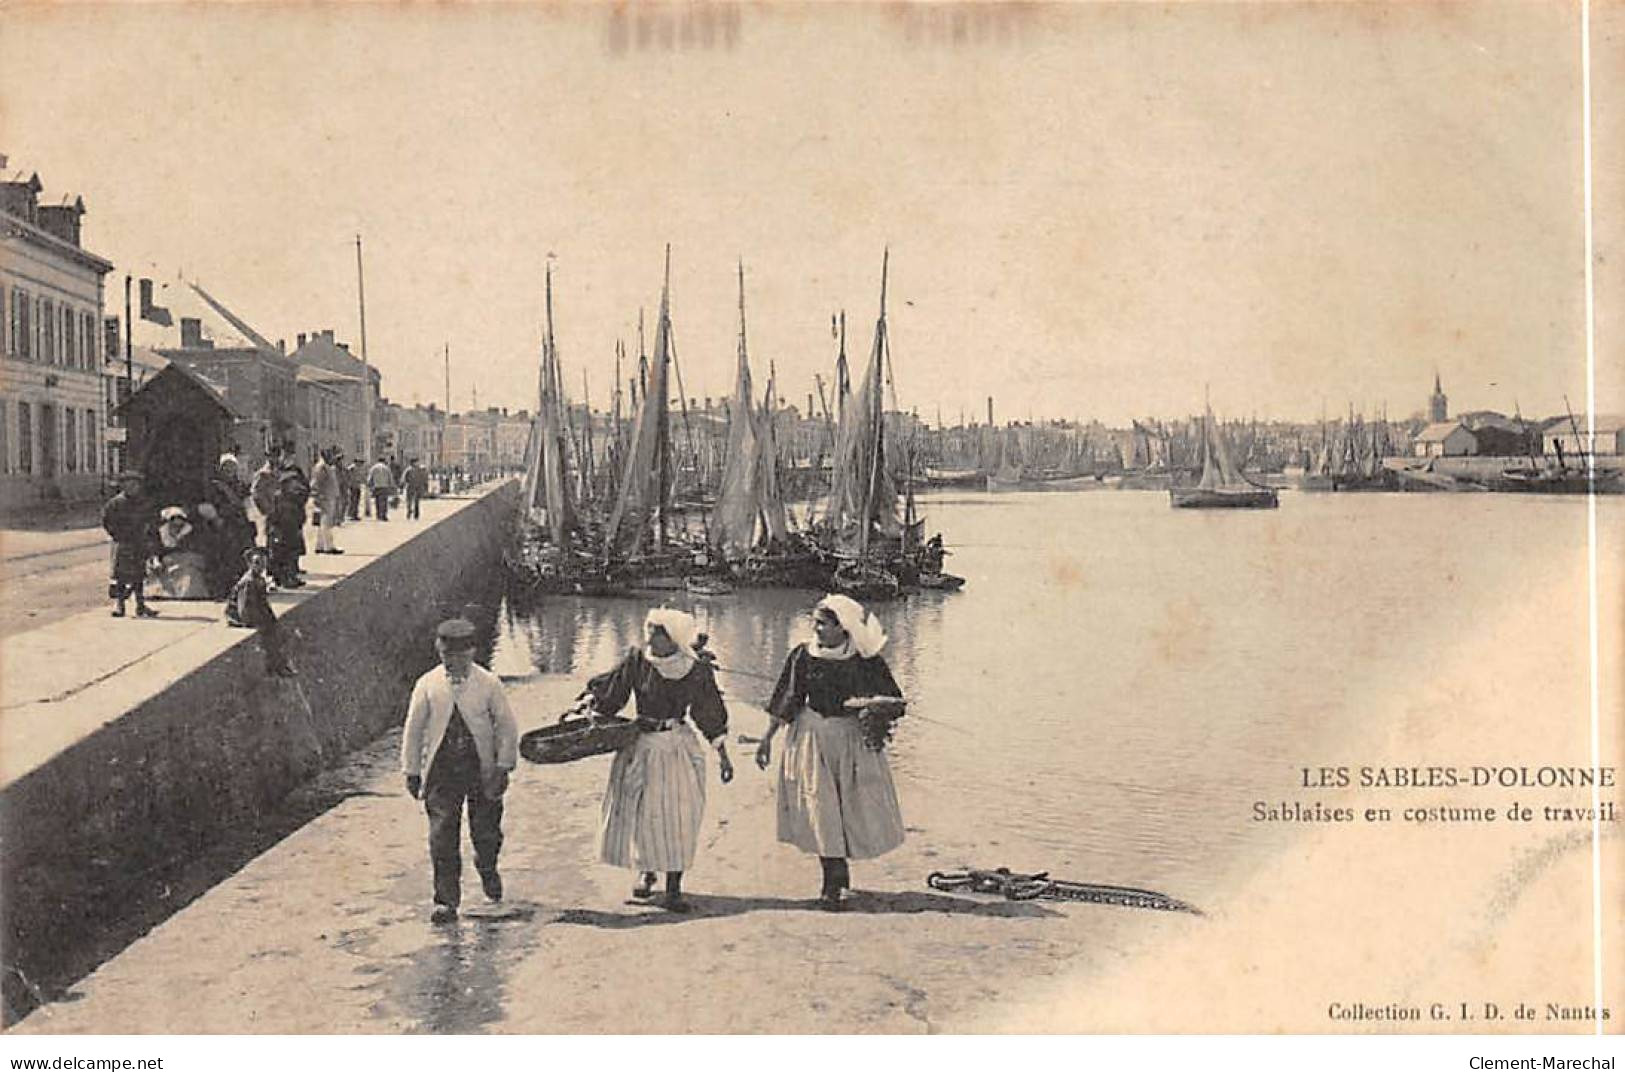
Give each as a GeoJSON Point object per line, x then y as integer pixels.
{"type": "Point", "coordinates": [328, 931]}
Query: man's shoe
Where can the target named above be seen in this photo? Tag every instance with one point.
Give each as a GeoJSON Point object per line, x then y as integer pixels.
{"type": "Point", "coordinates": [145, 611]}
{"type": "Point", "coordinates": [443, 914]}
{"type": "Point", "coordinates": [491, 883]}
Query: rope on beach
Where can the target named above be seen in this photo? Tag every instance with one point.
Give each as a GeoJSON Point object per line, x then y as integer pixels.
{"type": "Point", "coordinates": [1014, 886]}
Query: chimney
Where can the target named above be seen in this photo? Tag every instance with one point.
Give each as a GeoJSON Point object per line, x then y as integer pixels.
{"type": "Point", "coordinates": [191, 333]}
{"type": "Point", "coordinates": [21, 199]}
{"type": "Point", "coordinates": [62, 221]}
{"type": "Point", "coordinates": [990, 411]}
{"type": "Point", "coordinates": [327, 334]}
{"type": "Point", "coordinates": [301, 340]}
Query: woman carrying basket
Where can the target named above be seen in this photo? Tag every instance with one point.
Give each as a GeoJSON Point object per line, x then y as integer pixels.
{"type": "Point", "coordinates": [656, 794]}
{"type": "Point", "coordinates": [836, 799]}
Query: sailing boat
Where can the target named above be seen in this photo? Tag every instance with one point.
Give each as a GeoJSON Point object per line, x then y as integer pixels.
{"type": "Point", "coordinates": [1561, 478]}
{"type": "Point", "coordinates": [1222, 484]}
{"type": "Point", "coordinates": [638, 543]}
{"type": "Point", "coordinates": [550, 555]}
{"type": "Point", "coordinates": [863, 499]}
{"type": "Point", "coordinates": [1009, 474]}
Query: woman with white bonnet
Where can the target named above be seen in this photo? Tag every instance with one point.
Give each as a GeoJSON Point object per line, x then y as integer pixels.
{"type": "Point", "coordinates": [656, 794]}
{"type": "Point", "coordinates": [182, 572]}
{"type": "Point", "coordinates": [836, 798]}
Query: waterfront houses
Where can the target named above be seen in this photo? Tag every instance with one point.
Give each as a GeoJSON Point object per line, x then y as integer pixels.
{"type": "Point", "coordinates": [51, 298]}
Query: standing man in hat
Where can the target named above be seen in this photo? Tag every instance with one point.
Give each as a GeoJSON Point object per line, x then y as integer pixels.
{"type": "Point", "coordinates": [416, 479]}
{"type": "Point", "coordinates": [460, 730]}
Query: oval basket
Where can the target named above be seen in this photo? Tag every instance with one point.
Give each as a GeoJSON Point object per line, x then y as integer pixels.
{"type": "Point", "coordinates": [578, 738]}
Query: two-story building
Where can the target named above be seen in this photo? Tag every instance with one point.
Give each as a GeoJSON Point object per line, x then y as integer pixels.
{"type": "Point", "coordinates": [51, 405]}
{"type": "Point", "coordinates": [325, 358]}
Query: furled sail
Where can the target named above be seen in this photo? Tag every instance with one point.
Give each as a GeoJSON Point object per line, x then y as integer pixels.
{"type": "Point", "coordinates": [646, 477]}
{"type": "Point", "coordinates": [769, 497]}
{"type": "Point", "coordinates": [547, 492]}
{"type": "Point", "coordinates": [733, 524]}
{"type": "Point", "coordinates": [864, 498]}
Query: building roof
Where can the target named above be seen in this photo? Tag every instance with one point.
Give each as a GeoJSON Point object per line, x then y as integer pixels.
{"type": "Point", "coordinates": [1606, 424]}
{"type": "Point", "coordinates": [220, 326]}
{"type": "Point", "coordinates": [321, 351]}
{"type": "Point", "coordinates": [317, 374]}
{"type": "Point", "coordinates": [182, 378]}
{"type": "Point", "coordinates": [1437, 433]}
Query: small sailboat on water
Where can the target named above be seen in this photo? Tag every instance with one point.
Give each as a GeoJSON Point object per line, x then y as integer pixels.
{"type": "Point", "coordinates": [1221, 485]}
{"type": "Point", "coordinates": [552, 552]}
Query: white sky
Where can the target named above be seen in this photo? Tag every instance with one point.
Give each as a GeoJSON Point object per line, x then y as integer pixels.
{"type": "Point", "coordinates": [1092, 210]}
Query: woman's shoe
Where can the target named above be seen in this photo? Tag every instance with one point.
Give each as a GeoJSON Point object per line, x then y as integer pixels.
{"type": "Point", "coordinates": [645, 887]}
{"type": "Point", "coordinates": [830, 901]}
{"type": "Point", "coordinates": [675, 902]}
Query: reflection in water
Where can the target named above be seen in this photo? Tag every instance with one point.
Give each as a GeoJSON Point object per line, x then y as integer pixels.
{"type": "Point", "coordinates": [453, 986]}
{"type": "Point", "coordinates": [1118, 681]}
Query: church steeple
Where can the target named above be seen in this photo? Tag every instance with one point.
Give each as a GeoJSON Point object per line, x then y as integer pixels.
{"type": "Point", "coordinates": [1438, 405]}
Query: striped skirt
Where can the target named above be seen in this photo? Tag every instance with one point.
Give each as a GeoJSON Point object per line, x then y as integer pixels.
{"type": "Point", "coordinates": [836, 796]}
{"type": "Point", "coordinates": [654, 802]}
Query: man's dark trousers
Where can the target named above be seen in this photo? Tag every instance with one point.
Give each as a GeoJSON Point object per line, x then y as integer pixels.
{"type": "Point", "coordinates": [454, 777]}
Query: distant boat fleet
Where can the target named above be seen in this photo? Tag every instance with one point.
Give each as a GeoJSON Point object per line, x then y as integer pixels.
{"type": "Point", "coordinates": [1199, 470]}
{"type": "Point", "coordinates": [651, 523]}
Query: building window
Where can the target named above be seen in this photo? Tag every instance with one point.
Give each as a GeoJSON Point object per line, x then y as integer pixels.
{"type": "Point", "coordinates": [5, 437]}
{"type": "Point", "coordinates": [25, 438]}
{"type": "Point", "coordinates": [70, 343]}
{"type": "Point", "coordinates": [70, 441]}
{"type": "Point", "coordinates": [92, 447]}
{"type": "Point", "coordinates": [5, 320]}
{"type": "Point", "coordinates": [21, 335]}
{"type": "Point", "coordinates": [47, 325]}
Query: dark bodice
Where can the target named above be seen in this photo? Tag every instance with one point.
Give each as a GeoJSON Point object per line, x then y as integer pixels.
{"type": "Point", "coordinates": [826, 684]}
{"type": "Point", "coordinates": [659, 699]}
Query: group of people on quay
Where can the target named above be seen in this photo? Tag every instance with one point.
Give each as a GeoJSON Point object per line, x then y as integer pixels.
{"type": "Point", "coordinates": [835, 795]}
{"type": "Point", "coordinates": [195, 545]}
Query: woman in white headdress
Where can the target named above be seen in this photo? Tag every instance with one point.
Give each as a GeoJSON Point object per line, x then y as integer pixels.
{"type": "Point", "coordinates": [182, 565]}
{"type": "Point", "coordinates": [836, 798]}
{"type": "Point", "coordinates": [656, 795]}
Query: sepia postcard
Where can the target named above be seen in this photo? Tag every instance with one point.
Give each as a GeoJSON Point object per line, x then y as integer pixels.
{"type": "Point", "coordinates": [887, 518]}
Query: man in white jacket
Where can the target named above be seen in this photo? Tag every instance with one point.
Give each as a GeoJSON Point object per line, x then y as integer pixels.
{"type": "Point", "coordinates": [460, 730]}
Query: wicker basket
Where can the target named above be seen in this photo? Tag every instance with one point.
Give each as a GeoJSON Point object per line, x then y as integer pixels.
{"type": "Point", "coordinates": [573, 738]}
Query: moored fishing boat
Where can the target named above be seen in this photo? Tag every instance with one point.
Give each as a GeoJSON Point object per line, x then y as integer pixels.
{"type": "Point", "coordinates": [1221, 485]}
{"type": "Point", "coordinates": [549, 552]}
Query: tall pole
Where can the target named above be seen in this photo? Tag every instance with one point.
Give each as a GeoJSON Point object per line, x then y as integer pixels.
{"type": "Point", "coordinates": [445, 419]}
{"type": "Point", "coordinates": [370, 447]}
{"type": "Point", "coordinates": [129, 360]}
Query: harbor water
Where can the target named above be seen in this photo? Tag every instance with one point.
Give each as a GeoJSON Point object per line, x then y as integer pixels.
{"type": "Point", "coordinates": [1118, 682]}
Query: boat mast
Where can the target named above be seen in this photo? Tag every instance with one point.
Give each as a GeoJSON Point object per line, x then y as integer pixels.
{"type": "Point", "coordinates": [663, 413]}
{"type": "Point", "coordinates": [877, 413]}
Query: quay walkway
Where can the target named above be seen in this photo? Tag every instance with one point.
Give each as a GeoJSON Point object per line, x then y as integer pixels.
{"type": "Point", "coordinates": [141, 760]}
